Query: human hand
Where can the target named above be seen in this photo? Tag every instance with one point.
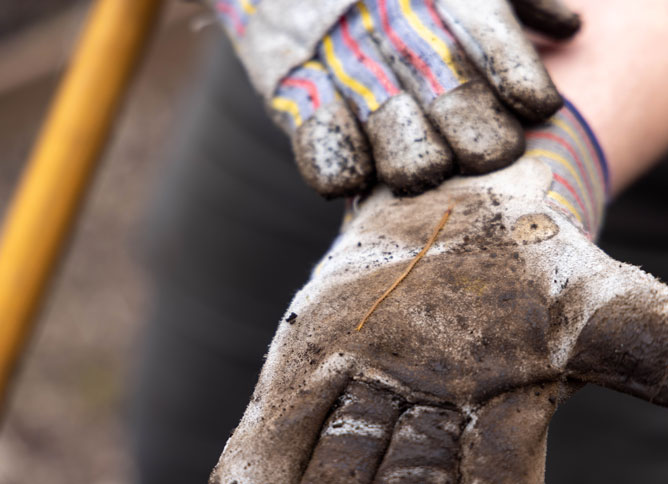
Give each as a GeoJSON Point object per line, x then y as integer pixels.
{"type": "Point", "coordinates": [391, 91]}
{"type": "Point", "coordinates": [455, 376]}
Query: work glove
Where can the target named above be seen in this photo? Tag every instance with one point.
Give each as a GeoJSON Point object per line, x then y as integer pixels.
{"type": "Point", "coordinates": [383, 88]}
{"type": "Point", "coordinates": [456, 373]}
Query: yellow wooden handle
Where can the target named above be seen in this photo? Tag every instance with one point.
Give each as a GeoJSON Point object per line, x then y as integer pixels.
{"type": "Point", "coordinates": [42, 212]}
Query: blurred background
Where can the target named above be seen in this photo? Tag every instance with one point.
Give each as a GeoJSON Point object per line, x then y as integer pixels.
{"type": "Point", "coordinates": [65, 422]}
{"type": "Point", "coordinates": [93, 392]}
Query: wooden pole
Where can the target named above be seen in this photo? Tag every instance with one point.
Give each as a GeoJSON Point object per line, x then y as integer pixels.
{"type": "Point", "coordinates": [42, 213]}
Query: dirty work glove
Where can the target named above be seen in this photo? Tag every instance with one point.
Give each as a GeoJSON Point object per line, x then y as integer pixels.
{"type": "Point", "coordinates": [385, 81]}
{"type": "Point", "coordinates": [456, 374]}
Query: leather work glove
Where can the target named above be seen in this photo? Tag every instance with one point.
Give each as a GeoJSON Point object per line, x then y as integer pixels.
{"type": "Point", "coordinates": [383, 87]}
{"type": "Point", "coordinates": [456, 374]}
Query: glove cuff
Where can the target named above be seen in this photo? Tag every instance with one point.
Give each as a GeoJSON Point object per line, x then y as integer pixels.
{"type": "Point", "coordinates": [580, 182]}
{"type": "Point", "coordinates": [595, 145]}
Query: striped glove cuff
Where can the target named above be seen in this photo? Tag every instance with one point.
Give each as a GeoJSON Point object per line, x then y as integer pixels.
{"type": "Point", "coordinates": [580, 184]}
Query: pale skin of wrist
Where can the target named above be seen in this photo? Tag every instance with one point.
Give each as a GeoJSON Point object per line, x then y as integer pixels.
{"type": "Point", "coordinates": [616, 72]}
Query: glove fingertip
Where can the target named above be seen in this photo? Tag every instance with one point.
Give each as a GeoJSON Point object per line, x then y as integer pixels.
{"type": "Point", "coordinates": [332, 153]}
{"type": "Point", "coordinates": [533, 105]}
{"type": "Point", "coordinates": [549, 17]}
{"type": "Point", "coordinates": [410, 155]}
{"type": "Point", "coordinates": [482, 133]}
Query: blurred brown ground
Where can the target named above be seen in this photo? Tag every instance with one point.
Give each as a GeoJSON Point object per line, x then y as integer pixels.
{"type": "Point", "coordinates": [65, 421]}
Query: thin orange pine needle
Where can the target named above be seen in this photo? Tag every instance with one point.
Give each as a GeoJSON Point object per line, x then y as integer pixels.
{"type": "Point", "coordinates": [417, 258]}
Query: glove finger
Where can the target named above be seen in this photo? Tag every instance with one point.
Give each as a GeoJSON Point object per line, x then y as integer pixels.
{"type": "Point", "coordinates": [507, 436]}
{"type": "Point", "coordinates": [493, 40]}
{"type": "Point", "coordinates": [424, 448]}
{"type": "Point", "coordinates": [355, 437]}
{"type": "Point", "coordinates": [421, 55]}
{"type": "Point", "coordinates": [280, 427]}
{"type": "Point", "coordinates": [410, 156]}
{"type": "Point", "coordinates": [482, 134]}
{"type": "Point", "coordinates": [331, 151]}
{"type": "Point", "coordinates": [357, 70]}
{"type": "Point", "coordinates": [550, 17]}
